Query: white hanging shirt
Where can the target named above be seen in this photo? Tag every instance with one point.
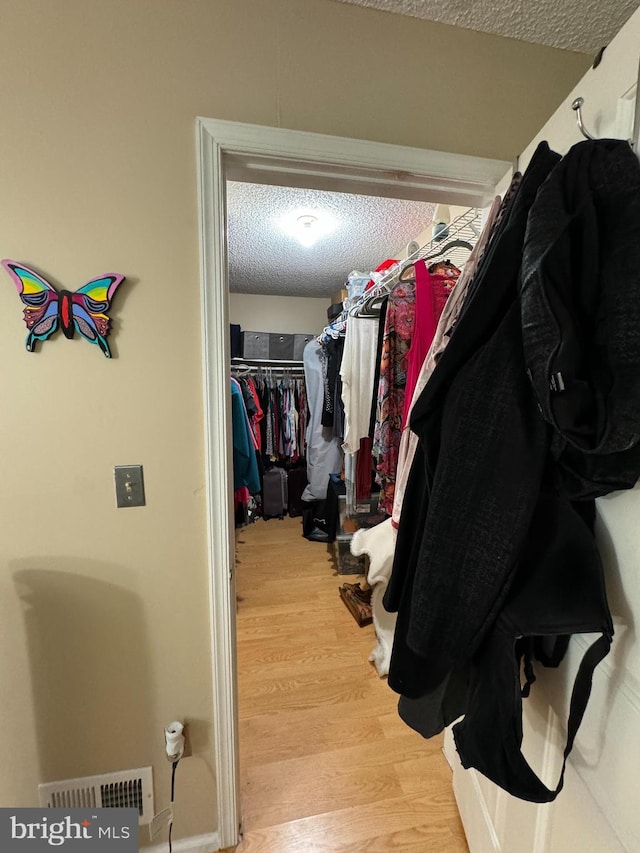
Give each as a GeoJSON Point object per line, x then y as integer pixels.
{"type": "Point", "coordinates": [358, 370]}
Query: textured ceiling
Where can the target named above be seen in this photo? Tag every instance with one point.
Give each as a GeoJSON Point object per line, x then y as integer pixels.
{"type": "Point", "coordinates": [264, 260]}
{"type": "Point", "coordinates": [581, 25]}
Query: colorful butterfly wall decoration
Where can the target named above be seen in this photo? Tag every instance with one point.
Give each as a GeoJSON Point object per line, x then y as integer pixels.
{"type": "Point", "coordinates": [46, 309]}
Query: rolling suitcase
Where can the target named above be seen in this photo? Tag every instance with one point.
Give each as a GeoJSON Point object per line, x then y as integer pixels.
{"type": "Point", "coordinates": [274, 493]}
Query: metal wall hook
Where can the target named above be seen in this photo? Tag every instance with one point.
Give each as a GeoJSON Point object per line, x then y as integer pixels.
{"type": "Point", "coordinates": [577, 106]}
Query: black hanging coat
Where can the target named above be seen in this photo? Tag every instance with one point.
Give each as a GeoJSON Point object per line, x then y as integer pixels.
{"type": "Point", "coordinates": [495, 567]}
{"type": "Point", "coordinates": [580, 303]}
{"type": "Point", "coordinates": [475, 479]}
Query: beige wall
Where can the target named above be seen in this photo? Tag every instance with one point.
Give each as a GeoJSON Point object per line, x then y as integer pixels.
{"type": "Point", "coordinates": [104, 624]}
{"type": "Point", "coordinates": [285, 314]}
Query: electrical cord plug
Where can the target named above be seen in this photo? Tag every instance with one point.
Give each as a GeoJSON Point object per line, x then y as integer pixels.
{"type": "Point", "coordinates": [174, 741]}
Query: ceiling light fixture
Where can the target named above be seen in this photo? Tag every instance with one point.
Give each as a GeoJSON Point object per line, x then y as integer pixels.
{"type": "Point", "coordinates": [306, 227]}
{"type": "Point", "coordinates": [308, 234]}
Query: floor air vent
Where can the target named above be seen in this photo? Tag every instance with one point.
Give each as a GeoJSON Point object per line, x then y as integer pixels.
{"type": "Point", "coordinates": [126, 789]}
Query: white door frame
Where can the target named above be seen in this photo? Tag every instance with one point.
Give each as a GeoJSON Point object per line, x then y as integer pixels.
{"type": "Point", "coordinates": [267, 155]}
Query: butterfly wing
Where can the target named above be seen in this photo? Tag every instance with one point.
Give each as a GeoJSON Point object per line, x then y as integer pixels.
{"type": "Point", "coordinates": [90, 304]}
{"type": "Point", "coordinates": [40, 300]}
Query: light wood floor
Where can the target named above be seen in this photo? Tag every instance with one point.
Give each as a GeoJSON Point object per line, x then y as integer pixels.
{"type": "Point", "coordinates": [327, 766]}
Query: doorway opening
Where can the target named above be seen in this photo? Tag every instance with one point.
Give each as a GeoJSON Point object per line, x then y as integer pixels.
{"type": "Point", "coordinates": [229, 151]}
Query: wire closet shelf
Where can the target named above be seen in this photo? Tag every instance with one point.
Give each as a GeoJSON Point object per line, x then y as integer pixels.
{"type": "Point", "coordinates": [453, 244]}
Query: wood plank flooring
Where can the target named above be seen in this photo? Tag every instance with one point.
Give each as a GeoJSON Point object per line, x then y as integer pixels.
{"type": "Point", "coordinates": [327, 766]}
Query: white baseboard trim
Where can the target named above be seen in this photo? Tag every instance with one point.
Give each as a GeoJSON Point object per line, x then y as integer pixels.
{"type": "Point", "coordinates": [209, 843]}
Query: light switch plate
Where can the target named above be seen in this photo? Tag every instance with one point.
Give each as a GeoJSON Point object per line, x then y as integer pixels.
{"type": "Point", "coordinates": [129, 485]}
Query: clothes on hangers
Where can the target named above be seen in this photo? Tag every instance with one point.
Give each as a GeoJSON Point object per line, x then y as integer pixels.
{"type": "Point", "coordinates": [364, 464]}
{"type": "Point", "coordinates": [413, 310]}
{"type": "Point", "coordinates": [433, 289]}
{"type": "Point", "coordinates": [302, 411]}
{"type": "Point", "coordinates": [276, 402]}
{"type": "Point", "coordinates": [358, 370]}
{"type": "Point", "coordinates": [382, 321]}
{"type": "Point", "coordinates": [444, 329]}
{"type": "Point", "coordinates": [495, 564]}
{"type": "Point", "coordinates": [276, 412]}
{"type": "Point", "coordinates": [354, 358]}
{"type": "Point", "coordinates": [329, 372]}
{"type": "Point", "coordinates": [284, 403]}
{"type": "Point", "coordinates": [383, 536]}
{"type": "Point", "coordinates": [245, 465]}
{"type": "Point", "coordinates": [333, 409]}
{"type": "Point", "coordinates": [468, 492]}
{"type": "Point", "coordinates": [335, 329]}
{"type": "Point", "coordinates": [324, 454]}
{"type": "Point", "coordinates": [364, 471]}
{"type": "Point", "coordinates": [252, 405]}
{"type": "Point", "coordinates": [397, 336]}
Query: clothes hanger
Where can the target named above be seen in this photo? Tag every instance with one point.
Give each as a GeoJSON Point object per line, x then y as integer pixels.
{"type": "Point", "coordinates": [335, 328]}
{"type": "Point", "coordinates": [407, 274]}
{"type": "Point", "coordinates": [370, 307]}
{"type": "Point", "coordinates": [444, 250]}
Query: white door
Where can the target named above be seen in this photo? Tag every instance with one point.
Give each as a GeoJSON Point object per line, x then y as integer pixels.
{"type": "Point", "coordinates": [599, 809]}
